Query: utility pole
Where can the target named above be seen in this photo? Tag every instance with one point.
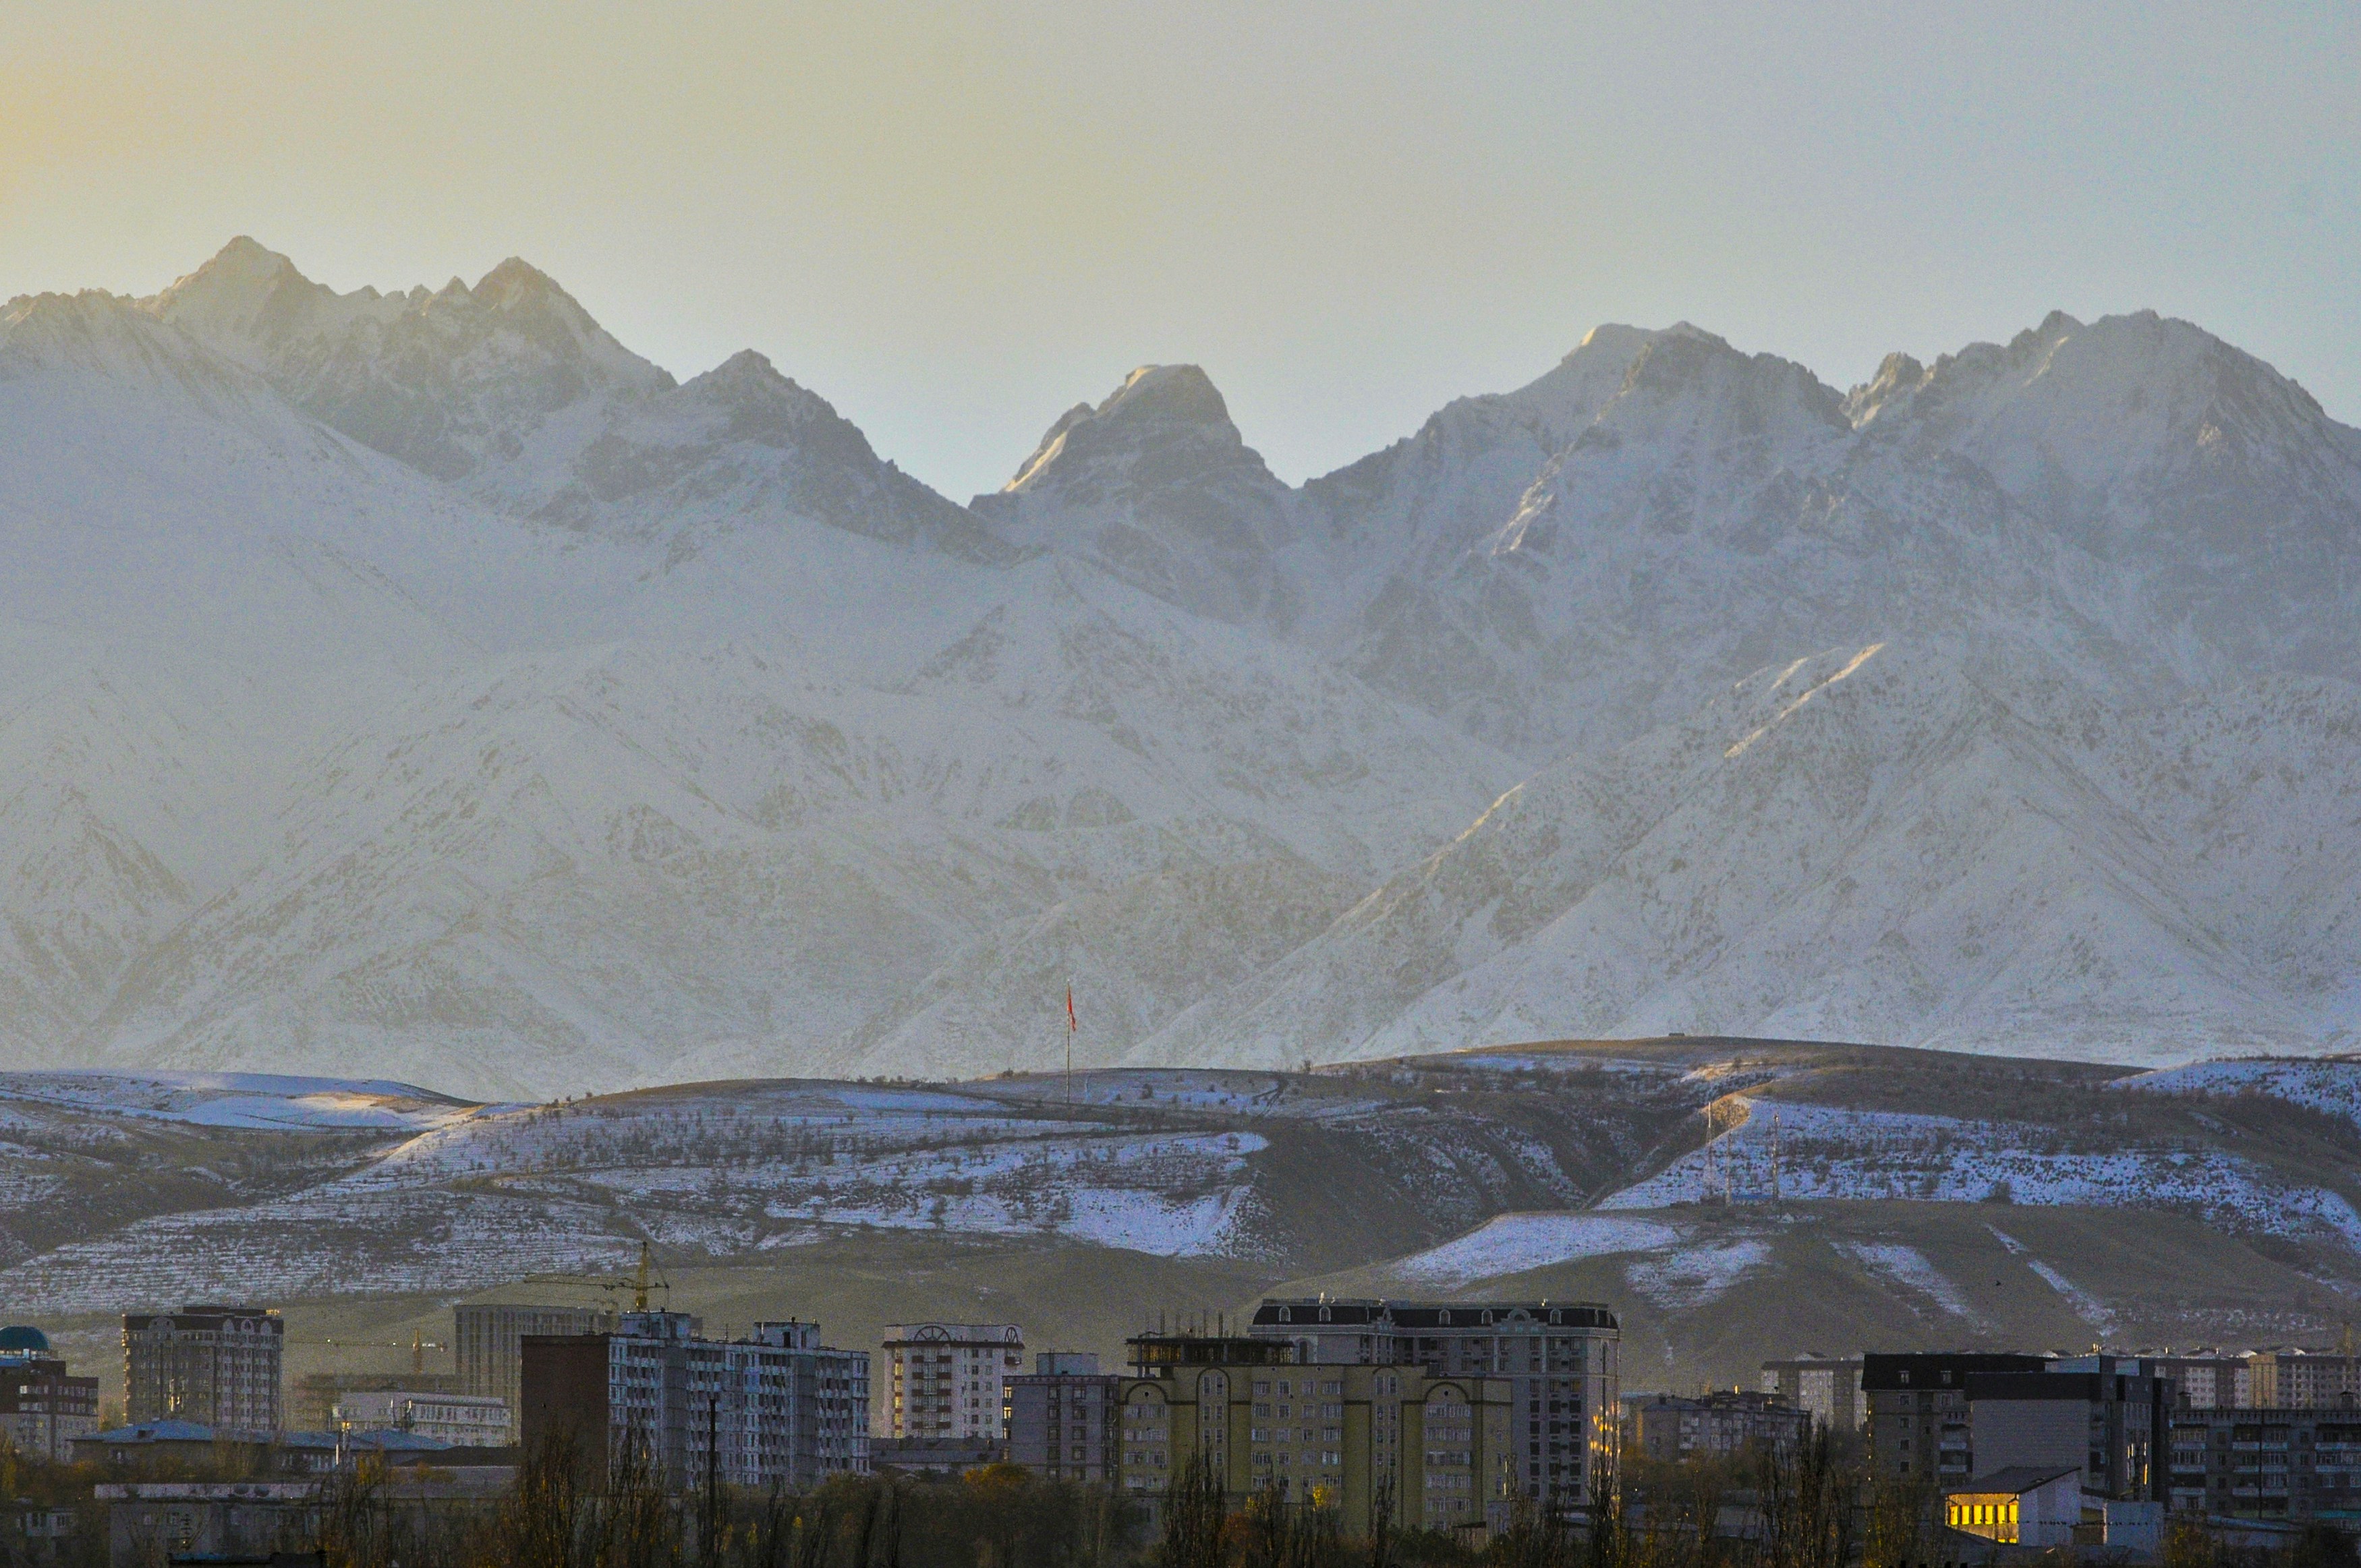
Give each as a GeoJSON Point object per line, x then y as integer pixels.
{"type": "Point", "coordinates": [705, 1541]}
{"type": "Point", "coordinates": [1071, 1026]}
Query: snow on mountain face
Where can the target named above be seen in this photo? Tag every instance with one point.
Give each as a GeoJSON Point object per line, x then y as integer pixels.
{"type": "Point", "coordinates": [624, 730]}
{"type": "Point", "coordinates": [513, 390]}
{"type": "Point", "coordinates": [2134, 496]}
{"type": "Point", "coordinates": [1156, 486]}
{"type": "Point", "coordinates": [450, 382]}
{"type": "Point", "coordinates": [1923, 846]}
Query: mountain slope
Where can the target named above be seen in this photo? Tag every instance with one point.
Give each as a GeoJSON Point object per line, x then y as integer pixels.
{"type": "Point", "coordinates": [1913, 844]}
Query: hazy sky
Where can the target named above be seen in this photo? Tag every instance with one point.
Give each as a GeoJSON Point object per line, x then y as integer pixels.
{"type": "Point", "coordinates": [954, 220]}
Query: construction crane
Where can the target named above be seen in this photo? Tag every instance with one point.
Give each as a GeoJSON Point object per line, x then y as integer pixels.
{"type": "Point", "coordinates": [644, 1280]}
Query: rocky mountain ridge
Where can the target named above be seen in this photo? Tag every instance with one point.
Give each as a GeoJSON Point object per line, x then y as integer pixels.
{"type": "Point", "coordinates": [423, 683]}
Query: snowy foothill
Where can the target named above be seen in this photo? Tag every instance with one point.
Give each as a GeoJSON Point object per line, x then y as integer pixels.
{"type": "Point", "coordinates": [246, 1100]}
{"type": "Point", "coordinates": [2331, 1085]}
{"type": "Point", "coordinates": [1820, 1152]}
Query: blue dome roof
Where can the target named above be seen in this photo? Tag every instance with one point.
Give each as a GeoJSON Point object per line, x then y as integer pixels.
{"type": "Point", "coordinates": [20, 1338]}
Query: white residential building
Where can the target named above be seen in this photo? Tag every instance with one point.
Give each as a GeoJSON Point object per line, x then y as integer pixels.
{"type": "Point", "coordinates": [950, 1379]}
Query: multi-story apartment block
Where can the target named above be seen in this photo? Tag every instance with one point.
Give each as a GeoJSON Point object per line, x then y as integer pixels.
{"type": "Point", "coordinates": [1559, 1360]}
{"type": "Point", "coordinates": [488, 1339]}
{"type": "Point", "coordinates": [1918, 1422]}
{"type": "Point", "coordinates": [1719, 1425]}
{"type": "Point", "coordinates": [2107, 1421]}
{"type": "Point", "coordinates": [2301, 1379]}
{"type": "Point", "coordinates": [2283, 1464]}
{"type": "Point", "coordinates": [217, 1366]}
{"type": "Point", "coordinates": [947, 1379]}
{"type": "Point", "coordinates": [2202, 1380]}
{"type": "Point", "coordinates": [1425, 1450]}
{"type": "Point", "coordinates": [1061, 1419]}
{"type": "Point", "coordinates": [464, 1420]}
{"type": "Point", "coordinates": [776, 1408]}
{"type": "Point", "coordinates": [1829, 1388]}
{"type": "Point", "coordinates": [42, 1409]}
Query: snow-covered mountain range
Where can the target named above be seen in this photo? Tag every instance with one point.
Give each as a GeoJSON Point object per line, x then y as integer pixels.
{"type": "Point", "coordinates": [424, 685]}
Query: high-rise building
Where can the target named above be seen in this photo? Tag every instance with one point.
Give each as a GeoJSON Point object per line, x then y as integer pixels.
{"type": "Point", "coordinates": [216, 1366]}
{"type": "Point", "coordinates": [1061, 1419]}
{"type": "Point", "coordinates": [42, 1408]}
{"type": "Point", "coordinates": [947, 1379]}
{"type": "Point", "coordinates": [2108, 1421]}
{"type": "Point", "coordinates": [776, 1408]}
{"type": "Point", "coordinates": [488, 1338]}
{"type": "Point", "coordinates": [1559, 1359]}
{"type": "Point", "coordinates": [1918, 1422]}
{"type": "Point", "coordinates": [1423, 1449]}
{"type": "Point", "coordinates": [1828, 1386]}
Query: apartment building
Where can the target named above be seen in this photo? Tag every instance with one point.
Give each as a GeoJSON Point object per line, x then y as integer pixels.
{"type": "Point", "coordinates": [488, 1339]}
{"type": "Point", "coordinates": [1424, 1450]}
{"type": "Point", "coordinates": [777, 1408]}
{"type": "Point", "coordinates": [1719, 1425]}
{"type": "Point", "coordinates": [1061, 1419]}
{"type": "Point", "coordinates": [2106, 1420]}
{"type": "Point", "coordinates": [947, 1379]}
{"type": "Point", "coordinates": [2269, 1464]}
{"type": "Point", "coordinates": [464, 1420]}
{"type": "Point", "coordinates": [2297, 1380]}
{"type": "Point", "coordinates": [42, 1408]}
{"type": "Point", "coordinates": [2204, 1380]}
{"type": "Point", "coordinates": [1918, 1419]}
{"type": "Point", "coordinates": [1559, 1359]}
{"type": "Point", "coordinates": [215, 1366]}
{"type": "Point", "coordinates": [1827, 1387]}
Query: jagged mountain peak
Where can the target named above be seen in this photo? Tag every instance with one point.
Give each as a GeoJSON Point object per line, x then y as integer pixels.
{"type": "Point", "coordinates": [2073, 417]}
{"type": "Point", "coordinates": [1158, 406]}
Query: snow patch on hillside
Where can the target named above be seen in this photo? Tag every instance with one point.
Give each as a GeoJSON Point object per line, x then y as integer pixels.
{"type": "Point", "coordinates": [1697, 1276]}
{"type": "Point", "coordinates": [1515, 1243]}
{"type": "Point", "coordinates": [1908, 1267]}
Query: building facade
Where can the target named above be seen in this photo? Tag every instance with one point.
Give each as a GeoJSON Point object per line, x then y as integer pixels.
{"type": "Point", "coordinates": [947, 1379]}
{"type": "Point", "coordinates": [1719, 1425]}
{"type": "Point", "coordinates": [1423, 1451]}
{"type": "Point", "coordinates": [2269, 1464]}
{"type": "Point", "coordinates": [1919, 1422]}
{"type": "Point", "coordinates": [1061, 1419]}
{"type": "Point", "coordinates": [2203, 1380]}
{"type": "Point", "coordinates": [1561, 1361]}
{"type": "Point", "coordinates": [214, 1365]}
{"type": "Point", "coordinates": [464, 1421]}
{"type": "Point", "coordinates": [488, 1340]}
{"type": "Point", "coordinates": [1827, 1387]}
{"type": "Point", "coordinates": [776, 1408]}
{"type": "Point", "coordinates": [2301, 1379]}
{"type": "Point", "coordinates": [2107, 1424]}
{"type": "Point", "coordinates": [2021, 1506]}
{"type": "Point", "coordinates": [42, 1408]}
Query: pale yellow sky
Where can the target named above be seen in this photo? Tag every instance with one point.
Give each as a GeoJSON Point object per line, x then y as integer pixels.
{"type": "Point", "coordinates": [954, 220]}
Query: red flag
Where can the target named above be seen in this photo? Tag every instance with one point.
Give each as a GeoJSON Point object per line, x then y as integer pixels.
{"type": "Point", "coordinates": [1069, 1008]}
